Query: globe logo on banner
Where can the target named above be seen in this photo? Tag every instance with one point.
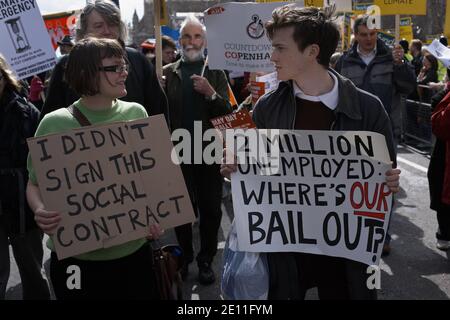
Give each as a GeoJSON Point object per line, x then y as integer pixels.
{"type": "Point", "coordinates": [255, 29]}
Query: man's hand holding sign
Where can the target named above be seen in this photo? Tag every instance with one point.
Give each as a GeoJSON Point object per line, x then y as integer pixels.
{"type": "Point", "coordinates": [314, 194]}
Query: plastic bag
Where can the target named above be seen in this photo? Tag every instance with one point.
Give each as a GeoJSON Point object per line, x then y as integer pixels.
{"type": "Point", "coordinates": [245, 275]}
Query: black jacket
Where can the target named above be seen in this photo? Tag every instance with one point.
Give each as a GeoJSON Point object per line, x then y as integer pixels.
{"type": "Point", "coordinates": [142, 86]}
{"type": "Point", "coordinates": [18, 121]}
{"type": "Point", "coordinates": [209, 109]}
{"type": "Point", "coordinates": [357, 110]}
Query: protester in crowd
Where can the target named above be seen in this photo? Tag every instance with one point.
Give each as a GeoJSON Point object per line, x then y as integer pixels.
{"type": "Point", "coordinates": [37, 90]}
{"type": "Point", "coordinates": [416, 51]}
{"type": "Point", "coordinates": [439, 167]}
{"type": "Point", "coordinates": [196, 95]}
{"type": "Point", "coordinates": [101, 19]}
{"type": "Point", "coordinates": [66, 44]}
{"type": "Point", "coordinates": [148, 49]}
{"type": "Point", "coordinates": [169, 50]}
{"type": "Point", "coordinates": [429, 73]}
{"type": "Point", "coordinates": [18, 121]}
{"type": "Point", "coordinates": [96, 70]}
{"type": "Point", "coordinates": [405, 46]}
{"type": "Point", "coordinates": [303, 41]}
{"type": "Point", "coordinates": [373, 67]}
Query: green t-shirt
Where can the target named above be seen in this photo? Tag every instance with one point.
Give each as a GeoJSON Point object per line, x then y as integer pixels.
{"type": "Point", "coordinates": [60, 121]}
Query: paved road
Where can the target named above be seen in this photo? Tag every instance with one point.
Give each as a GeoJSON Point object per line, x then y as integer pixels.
{"type": "Point", "coordinates": [415, 269]}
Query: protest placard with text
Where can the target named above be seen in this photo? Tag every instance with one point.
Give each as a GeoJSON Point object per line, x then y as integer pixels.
{"type": "Point", "coordinates": [319, 192]}
{"type": "Point", "coordinates": [237, 39]}
{"type": "Point", "coordinates": [24, 40]}
{"type": "Point", "coordinates": [110, 182]}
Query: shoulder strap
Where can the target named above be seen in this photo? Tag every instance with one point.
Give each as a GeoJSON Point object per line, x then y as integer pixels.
{"type": "Point", "coordinates": [76, 113]}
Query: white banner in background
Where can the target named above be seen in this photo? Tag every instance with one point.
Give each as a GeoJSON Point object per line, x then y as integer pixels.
{"type": "Point", "coordinates": [24, 40]}
{"type": "Point", "coordinates": [237, 39]}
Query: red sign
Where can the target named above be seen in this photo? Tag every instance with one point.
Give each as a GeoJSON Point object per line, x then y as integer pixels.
{"type": "Point", "coordinates": [237, 120]}
{"type": "Point", "coordinates": [59, 25]}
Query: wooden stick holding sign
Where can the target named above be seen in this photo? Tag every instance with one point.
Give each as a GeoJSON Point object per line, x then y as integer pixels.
{"type": "Point", "coordinates": [158, 45]}
{"type": "Point", "coordinates": [397, 29]}
{"type": "Point", "coordinates": [204, 67]}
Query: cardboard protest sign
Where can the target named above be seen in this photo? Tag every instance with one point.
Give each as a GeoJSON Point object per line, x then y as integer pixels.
{"type": "Point", "coordinates": [440, 51]}
{"type": "Point", "coordinates": [236, 120]}
{"type": "Point", "coordinates": [394, 7]}
{"type": "Point", "coordinates": [110, 182]}
{"type": "Point", "coordinates": [237, 39]}
{"type": "Point", "coordinates": [24, 40]}
{"type": "Point", "coordinates": [318, 192]}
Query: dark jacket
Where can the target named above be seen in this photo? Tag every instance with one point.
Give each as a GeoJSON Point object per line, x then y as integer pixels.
{"type": "Point", "coordinates": [440, 124]}
{"type": "Point", "coordinates": [436, 168]}
{"type": "Point", "coordinates": [142, 87]}
{"type": "Point", "coordinates": [381, 78]}
{"type": "Point", "coordinates": [209, 109]}
{"type": "Point", "coordinates": [357, 110]}
{"type": "Point", "coordinates": [18, 121]}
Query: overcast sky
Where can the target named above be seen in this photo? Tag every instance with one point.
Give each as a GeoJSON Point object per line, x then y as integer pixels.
{"type": "Point", "coordinates": [126, 7]}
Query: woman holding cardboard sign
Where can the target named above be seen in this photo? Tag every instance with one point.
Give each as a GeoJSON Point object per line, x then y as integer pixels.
{"type": "Point", "coordinates": [96, 70]}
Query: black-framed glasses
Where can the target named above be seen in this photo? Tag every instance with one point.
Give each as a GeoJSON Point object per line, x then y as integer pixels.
{"type": "Point", "coordinates": [116, 68]}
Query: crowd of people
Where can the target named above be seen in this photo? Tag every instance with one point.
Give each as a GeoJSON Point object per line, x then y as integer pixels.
{"type": "Point", "coordinates": [100, 80]}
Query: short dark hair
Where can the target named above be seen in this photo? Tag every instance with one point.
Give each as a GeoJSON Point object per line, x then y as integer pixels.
{"type": "Point", "coordinates": [311, 26]}
{"type": "Point", "coordinates": [167, 41]}
{"type": "Point", "coordinates": [82, 69]}
{"type": "Point", "coordinates": [405, 45]}
{"type": "Point", "coordinates": [361, 20]}
{"type": "Point", "coordinates": [417, 44]}
{"type": "Point", "coordinates": [433, 61]}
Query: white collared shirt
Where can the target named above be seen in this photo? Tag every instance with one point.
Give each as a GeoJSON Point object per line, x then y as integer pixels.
{"type": "Point", "coordinates": [367, 58]}
{"type": "Point", "coordinates": [329, 99]}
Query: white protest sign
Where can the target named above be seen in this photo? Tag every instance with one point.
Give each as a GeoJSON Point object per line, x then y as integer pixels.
{"type": "Point", "coordinates": [24, 40]}
{"type": "Point", "coordinates": [110, 182]}
{"type": "Point", "coordinates": [440, 51]}
{"type": "Point", "coordinates": [322, 192]}
{"type": "Point", "coordinates": [236, 36]}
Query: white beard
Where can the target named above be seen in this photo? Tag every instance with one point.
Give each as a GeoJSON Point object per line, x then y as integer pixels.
{"type": "Point", "coordinates": [192, 55]}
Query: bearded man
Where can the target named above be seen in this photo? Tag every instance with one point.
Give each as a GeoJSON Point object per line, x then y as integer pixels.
{"type": "Point", "coordinates": [196, 95]}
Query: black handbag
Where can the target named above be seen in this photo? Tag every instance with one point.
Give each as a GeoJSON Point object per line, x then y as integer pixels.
{"type": "Point", "coordinates": [167, 263]}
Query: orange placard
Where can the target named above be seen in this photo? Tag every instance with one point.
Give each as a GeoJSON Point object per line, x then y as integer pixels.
{"type": "Point", "coordinates": [237, 120]}
{"type": "Point", "coordinates": [59, 25]}
{"type": "Point", "coordinates": [257, 90]}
